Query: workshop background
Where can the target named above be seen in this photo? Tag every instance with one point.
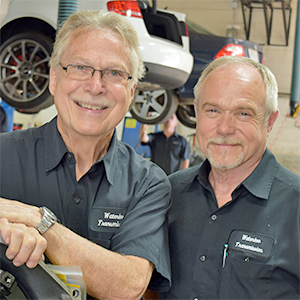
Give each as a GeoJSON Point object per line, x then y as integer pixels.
{"type": "Point", "coordinates": [224, 18]}
{"type": "Point", "coordinates": [218, 16]}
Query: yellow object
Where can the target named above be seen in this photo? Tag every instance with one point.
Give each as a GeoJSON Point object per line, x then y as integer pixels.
{"type": "Point", "coordinates": [130, 123]}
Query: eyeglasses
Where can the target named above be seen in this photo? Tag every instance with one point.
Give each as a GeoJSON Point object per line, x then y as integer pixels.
{"type": "Point", "coordinates": [82, 72]}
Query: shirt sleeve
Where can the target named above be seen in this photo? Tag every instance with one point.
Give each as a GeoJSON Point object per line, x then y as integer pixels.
{"type": "Point", "coordinates": [151, 137]}
{"type": "Point", "coordinates": [144, 232]}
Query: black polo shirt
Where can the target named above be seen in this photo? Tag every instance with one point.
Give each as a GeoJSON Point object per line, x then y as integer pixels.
{"type": "Point", "coordinates": [168, 153]}
{"type": "Point", "coordinates": [120, 203]}
{"type": "Point", "coordinates": [260, 228]}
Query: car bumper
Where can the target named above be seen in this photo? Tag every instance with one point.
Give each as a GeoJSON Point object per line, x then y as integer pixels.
{"type": "Point", "coordinates": [164, 76]}
{"type": "Point", "coordinates": [168, 66]}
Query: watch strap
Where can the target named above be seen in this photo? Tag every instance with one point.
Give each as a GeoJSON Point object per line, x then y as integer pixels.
{"type": "Point", "coordinates": [47, 220]}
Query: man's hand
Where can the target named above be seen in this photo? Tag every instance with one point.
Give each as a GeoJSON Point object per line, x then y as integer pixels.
{"type": "Point", "coordinates": [143, 133]}
{"type": "Point", "coordinates": [25, 244]}
{"type": "Point", "coordinates": [18, 212]}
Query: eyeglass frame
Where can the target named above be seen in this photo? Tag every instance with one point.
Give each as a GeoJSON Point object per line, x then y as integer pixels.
{"type": "Point", "coordinates": [94, 70]}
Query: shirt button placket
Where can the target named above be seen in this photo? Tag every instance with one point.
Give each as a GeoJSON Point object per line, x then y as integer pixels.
{"type": "Point", "coordinates": [214, 217]}
{"type": "Point", "coordinates": [202, 258]}
{"type": "Point", "coordinates": [77, 200]}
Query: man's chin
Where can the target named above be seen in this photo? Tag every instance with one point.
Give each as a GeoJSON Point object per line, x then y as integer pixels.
{"type": "Point", "coordinates": [226, 164]}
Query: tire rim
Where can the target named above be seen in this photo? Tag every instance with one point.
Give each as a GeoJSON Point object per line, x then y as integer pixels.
{"type": "Point", "coordinates": [150, 104]}
{"type": "Point", "coordinates": [24, 70]}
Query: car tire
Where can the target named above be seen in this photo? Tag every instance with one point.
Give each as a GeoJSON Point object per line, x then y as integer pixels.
{"type": "Point", "coordinates": [24, 82]}
{"type": "Point", "coordinates": [154, 107]}
{"type": "Point", "coordinates": [37, 283]}
{"type": "Point", "coordinates": [186, 115]}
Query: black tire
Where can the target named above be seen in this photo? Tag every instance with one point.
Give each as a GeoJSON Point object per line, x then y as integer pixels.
{"type": "Point", "coordinates": [24, 75]}
{"type": "Point", "coordinates": [36, 109]}
{"type": "Point", "coordinates": [154, 107]}
{"type": "Point", "coordinates": [36, 283]}
{"type": "Point", "coordinates": [186, 115]}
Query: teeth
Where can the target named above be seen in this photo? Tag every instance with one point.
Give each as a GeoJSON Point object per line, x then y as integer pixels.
{"type": "Point", "coordinates": [88, 106]}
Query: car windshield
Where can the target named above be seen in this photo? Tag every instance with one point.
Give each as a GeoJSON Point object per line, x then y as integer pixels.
{"type": "Point", "coordinates": [198, 28]}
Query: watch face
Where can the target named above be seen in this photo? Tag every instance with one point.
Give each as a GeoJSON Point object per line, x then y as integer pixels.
{"type": "Point", "coordinates": [49, 213]}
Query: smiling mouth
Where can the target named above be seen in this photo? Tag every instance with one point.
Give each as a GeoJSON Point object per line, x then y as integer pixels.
{"type": "Point", "coordinates": [92, 107]}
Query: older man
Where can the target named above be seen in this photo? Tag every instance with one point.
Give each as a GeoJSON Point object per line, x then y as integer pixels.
{"type": "Point", "coordinates": [111, 203]}
{"type": "Point", "coordinates": [235, 220]}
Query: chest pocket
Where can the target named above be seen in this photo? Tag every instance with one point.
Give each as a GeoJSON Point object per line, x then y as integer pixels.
{"type": "Point", "coordinates": [247, 273]}
{"type": "Point", "coordinates": [247, 245]}
{"type": "Point", "coordinates": [104, 222]}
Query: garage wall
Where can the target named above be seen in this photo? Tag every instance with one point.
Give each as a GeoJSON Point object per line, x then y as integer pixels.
{"type": "Point", "coordinates": [217, 16]}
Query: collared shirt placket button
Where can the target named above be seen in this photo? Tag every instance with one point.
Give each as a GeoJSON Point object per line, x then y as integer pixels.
{"type": "Point", "coordinates": [214, 217]}
{"type": "Point", "coordinates": [77, 200]}
{"type": "Point", "coordinates": [202, 258]}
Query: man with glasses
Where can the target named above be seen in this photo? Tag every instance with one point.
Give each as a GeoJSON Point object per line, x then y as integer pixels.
{"type": "Point", "coordinates": [81, 195]}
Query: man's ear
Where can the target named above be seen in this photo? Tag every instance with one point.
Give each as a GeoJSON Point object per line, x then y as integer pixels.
{"type": "Point", "coordinates": [52, 80]}
{"type": "Point", "coordinates": [132, 91]}
{"type": "Point", "coordinates": [195, 108]}
{"type": "Point", "coordinates": [272, 120]}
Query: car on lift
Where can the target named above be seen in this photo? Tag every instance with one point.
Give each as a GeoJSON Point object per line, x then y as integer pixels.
{"type": "Point", "coordinates": [205, 47]}
{"type": "Point", "coordinates": [28, 30]}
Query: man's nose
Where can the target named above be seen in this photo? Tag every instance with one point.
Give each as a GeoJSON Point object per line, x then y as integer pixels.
{"type": "Point", "coordinates": [226, 124]}
{"type": "Point", "coordinates": [97, 81]}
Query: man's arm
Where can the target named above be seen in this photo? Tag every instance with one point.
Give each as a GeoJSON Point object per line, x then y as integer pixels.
{"type": "Point", "coordinates": [185, 164]}
{"type": "Point", "coordinates": [143, 133]}
{"type": "Point", "coordinates": [108, 275]}
{"type": "Point", "coordinates": [119, 277]}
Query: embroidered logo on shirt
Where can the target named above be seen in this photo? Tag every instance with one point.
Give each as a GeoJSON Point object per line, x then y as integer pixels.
{"type": "Point", "coordinates": [251, 243]}
{"type": "Point", "coordinates": [106, 219]}
{"type": "Point", "coordinates": [110, 220]}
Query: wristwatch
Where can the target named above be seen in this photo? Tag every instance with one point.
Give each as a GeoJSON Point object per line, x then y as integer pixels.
{"type": "Point", "coordinates": [48, 219]}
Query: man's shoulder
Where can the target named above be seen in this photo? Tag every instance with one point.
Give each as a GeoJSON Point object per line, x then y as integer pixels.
{"type": "Point", "coordinates": [27, 134]}
{"type": "Point", "coordinates": [288, 178]}
{"type": "Point", "coordinates": [156, 134]}
{"type": "Point", "coordinates": [184, 176]}
{"type": "Point", "coordinates": [19, 136]}
{"type": "Point", "coordinates": [283, 176]}
{"type": "Point", "coordinates": [179, 137]}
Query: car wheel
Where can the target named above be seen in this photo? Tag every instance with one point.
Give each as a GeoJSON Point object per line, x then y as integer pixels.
{"type": "Point", "coordinates": [24, 75]}
{"type": "Point", "coordinates": [186, 115]}
{"type": "Point", "coordinates": [24, 283]}
{"type": "Point", "coordinates": [153, 107]}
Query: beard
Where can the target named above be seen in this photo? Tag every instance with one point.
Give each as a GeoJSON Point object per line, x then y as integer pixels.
{"type": "Point", "coordinates": [221, 162]}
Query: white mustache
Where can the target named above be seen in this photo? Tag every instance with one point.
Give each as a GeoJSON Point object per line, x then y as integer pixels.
{"type": "Point", "coordinates": [224, 141]}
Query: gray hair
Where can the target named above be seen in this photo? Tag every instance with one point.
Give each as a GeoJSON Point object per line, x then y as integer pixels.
{"type": "Point", "coordinates": [268, 77]}
{"type": "Point", "coordinates": [97, 19]}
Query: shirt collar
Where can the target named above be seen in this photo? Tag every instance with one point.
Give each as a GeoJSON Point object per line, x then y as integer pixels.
{"type": "Point", "coordinates": [110, 159]}
{"type": "Point", "coordinates": [174, 134]}
{"type": "Point", "coordinates": [56, 149]}
{"type": "Point", "coordinates": [258, 183]}
{"type": "Point", "coordinates": [55, 146]}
